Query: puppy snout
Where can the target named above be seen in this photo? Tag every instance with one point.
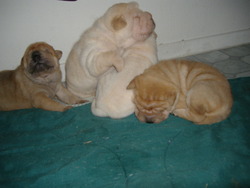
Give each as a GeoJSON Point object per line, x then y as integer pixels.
{"type": "Point", "coordinates": [149, 119]}
{"type": "Point", "coordinates": [36, 56]}
{"type": "Point", "coordinates": [39, 63]}
{"type": "Point", "coordinates": [148, 14]}
{"type": "Point", "coordinates": [150, 17]}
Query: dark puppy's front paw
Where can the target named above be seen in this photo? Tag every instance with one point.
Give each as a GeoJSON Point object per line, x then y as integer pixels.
{"type": "Point", "coordinates": [82, 101]}
{"type": "Point", "coordinates": [67, 108]}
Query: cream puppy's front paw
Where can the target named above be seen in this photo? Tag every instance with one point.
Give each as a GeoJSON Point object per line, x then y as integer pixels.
{"type": "Point", "coordinates": [117, 61]}
{"type": "Point", "coordinates": [104, 61]}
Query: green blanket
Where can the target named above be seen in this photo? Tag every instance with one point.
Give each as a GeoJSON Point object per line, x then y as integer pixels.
{"type": "Point", "coordinates": [76, 149]}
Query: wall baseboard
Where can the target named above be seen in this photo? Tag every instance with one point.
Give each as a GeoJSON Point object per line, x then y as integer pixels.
{"type": "Point", "coordinates": [201, 45]}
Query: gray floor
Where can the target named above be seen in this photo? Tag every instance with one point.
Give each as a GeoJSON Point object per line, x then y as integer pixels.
{"type": "Point", "coordinates": [232, 62]}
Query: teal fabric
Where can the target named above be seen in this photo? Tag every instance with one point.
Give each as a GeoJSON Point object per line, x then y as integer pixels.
{"type": "Point", "coordinates": [76, 149]}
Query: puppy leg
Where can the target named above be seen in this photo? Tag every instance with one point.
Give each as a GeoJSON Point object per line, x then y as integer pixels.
{"type": "Point", "coordinates": [104, 61]}
{"type": "Point", "coordinates": [204, 100]}
{"type": "Point", "coordinates": [189, 115]}
{"type": "Point", "coordinates": [43, 101]}
{"type": "Point", "coordinates": [97, 111]}
{"type": "Point", "coordinates": [66, 96]}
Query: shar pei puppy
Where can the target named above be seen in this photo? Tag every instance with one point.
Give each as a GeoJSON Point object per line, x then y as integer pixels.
{"type": "Point", "coordinates": [112, 97]}
{"type": "Point", "coordinates": [35, 82]}
{"type": "Point", "coordinates": [191, 90]}
{"type": "Point", "coordinates": [101, 47]}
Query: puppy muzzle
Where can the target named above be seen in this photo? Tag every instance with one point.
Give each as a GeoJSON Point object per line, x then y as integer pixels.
{"type": "Point", "coordinates": [148, 118]}
{"type": "Point", "coordinates": [38, 63]}
{"type": "Point", "coordinates": [155, 118]}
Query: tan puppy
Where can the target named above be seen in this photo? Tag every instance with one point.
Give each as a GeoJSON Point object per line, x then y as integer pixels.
{"type": "Point", "coordinates": [112, 97]}
{"type": "Point", "coordinates": [102, 45]}
{"type": "Point", "coordinates": [35, 82]}
{"type": "Point", "coordinates": [190, 90]}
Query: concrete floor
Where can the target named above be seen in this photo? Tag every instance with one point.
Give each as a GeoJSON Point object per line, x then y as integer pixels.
{"type": "Point", "coordinates": [232, 62]}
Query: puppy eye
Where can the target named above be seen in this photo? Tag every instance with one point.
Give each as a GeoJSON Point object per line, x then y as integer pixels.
{"type": "Point", "coordinates": [48, 51]}
{"type": "Point", "coordinates": [140, 108]}
{"type": "Point", "coordinates": [158, 110]}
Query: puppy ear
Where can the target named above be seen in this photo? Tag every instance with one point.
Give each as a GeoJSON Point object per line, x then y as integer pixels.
{"type": "Point", "coordinates": [22, 62]}
{"type": "Point", "coordinates": [58, 54]}
{"type": "Point", "coordinates": [118, 23]}
{"type": "Point", "coordinates": [133, 4]}
{"type": "Point", "coordinates": [171, 92]}
{"type": "Point", "coordinates": [131, 85]}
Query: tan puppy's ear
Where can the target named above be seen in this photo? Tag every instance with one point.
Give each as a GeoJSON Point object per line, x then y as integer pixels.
{"type": "Point", "coordinates": [58, 54]}
{"type": "Point", "coordinates": [118, 23]}
{"type": "Point", "coordinates": [131, 84]}
{"type": "Point", "coordinates": [22, 61]}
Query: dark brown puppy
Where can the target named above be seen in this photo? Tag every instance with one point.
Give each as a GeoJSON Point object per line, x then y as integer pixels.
{"type": "Point", "coordinates": [35, 82]}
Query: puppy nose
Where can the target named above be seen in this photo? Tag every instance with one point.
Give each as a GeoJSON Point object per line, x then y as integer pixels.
{"type": "Point", "coordinates": [36, 56]}
{"type": "Point", "coordinates": [149, 120]}
{"type": "Point", "coordinates": [151, 17]}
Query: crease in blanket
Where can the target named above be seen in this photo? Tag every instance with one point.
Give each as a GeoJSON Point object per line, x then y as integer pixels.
{"type": "Point", "coordinates": [169, 174]}
{"type": "Point", "coordinates": [76, 149]}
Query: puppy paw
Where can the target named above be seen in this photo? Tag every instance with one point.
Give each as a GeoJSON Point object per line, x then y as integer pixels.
{"type": "Point", "coordinates": [66, 108]}
{"type": "Point", "coordinates": [77, 100]}
{"type": "Point", "coordinates": [119, 65]}
{"type": "Point", "coordinates": [180, 112]}
{"type": "Point", "coordinates": [82, 102]}
{"type": "Point", "coordinates": [105, 61]}
{"type": "Point", "coordinates": [118, 62]}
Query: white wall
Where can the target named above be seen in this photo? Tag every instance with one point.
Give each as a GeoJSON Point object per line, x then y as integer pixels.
{"type": "Point", "coordinates": [184, 27]}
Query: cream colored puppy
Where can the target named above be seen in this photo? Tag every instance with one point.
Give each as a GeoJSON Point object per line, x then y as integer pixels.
{"type": "Point", "coordinates": [102, 45]}
{"type": "Point", "coordinates": [191, 90]}
{"type": "Point", "coordinates": [112, 97]}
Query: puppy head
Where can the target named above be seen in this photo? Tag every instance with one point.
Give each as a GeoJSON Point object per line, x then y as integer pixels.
{"type": "Point", "coordinates": [126, 20]}
{"type": "Point", "coordinates": [153, 98]}
{"type": "Point", "coordinates": [40, 60]}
